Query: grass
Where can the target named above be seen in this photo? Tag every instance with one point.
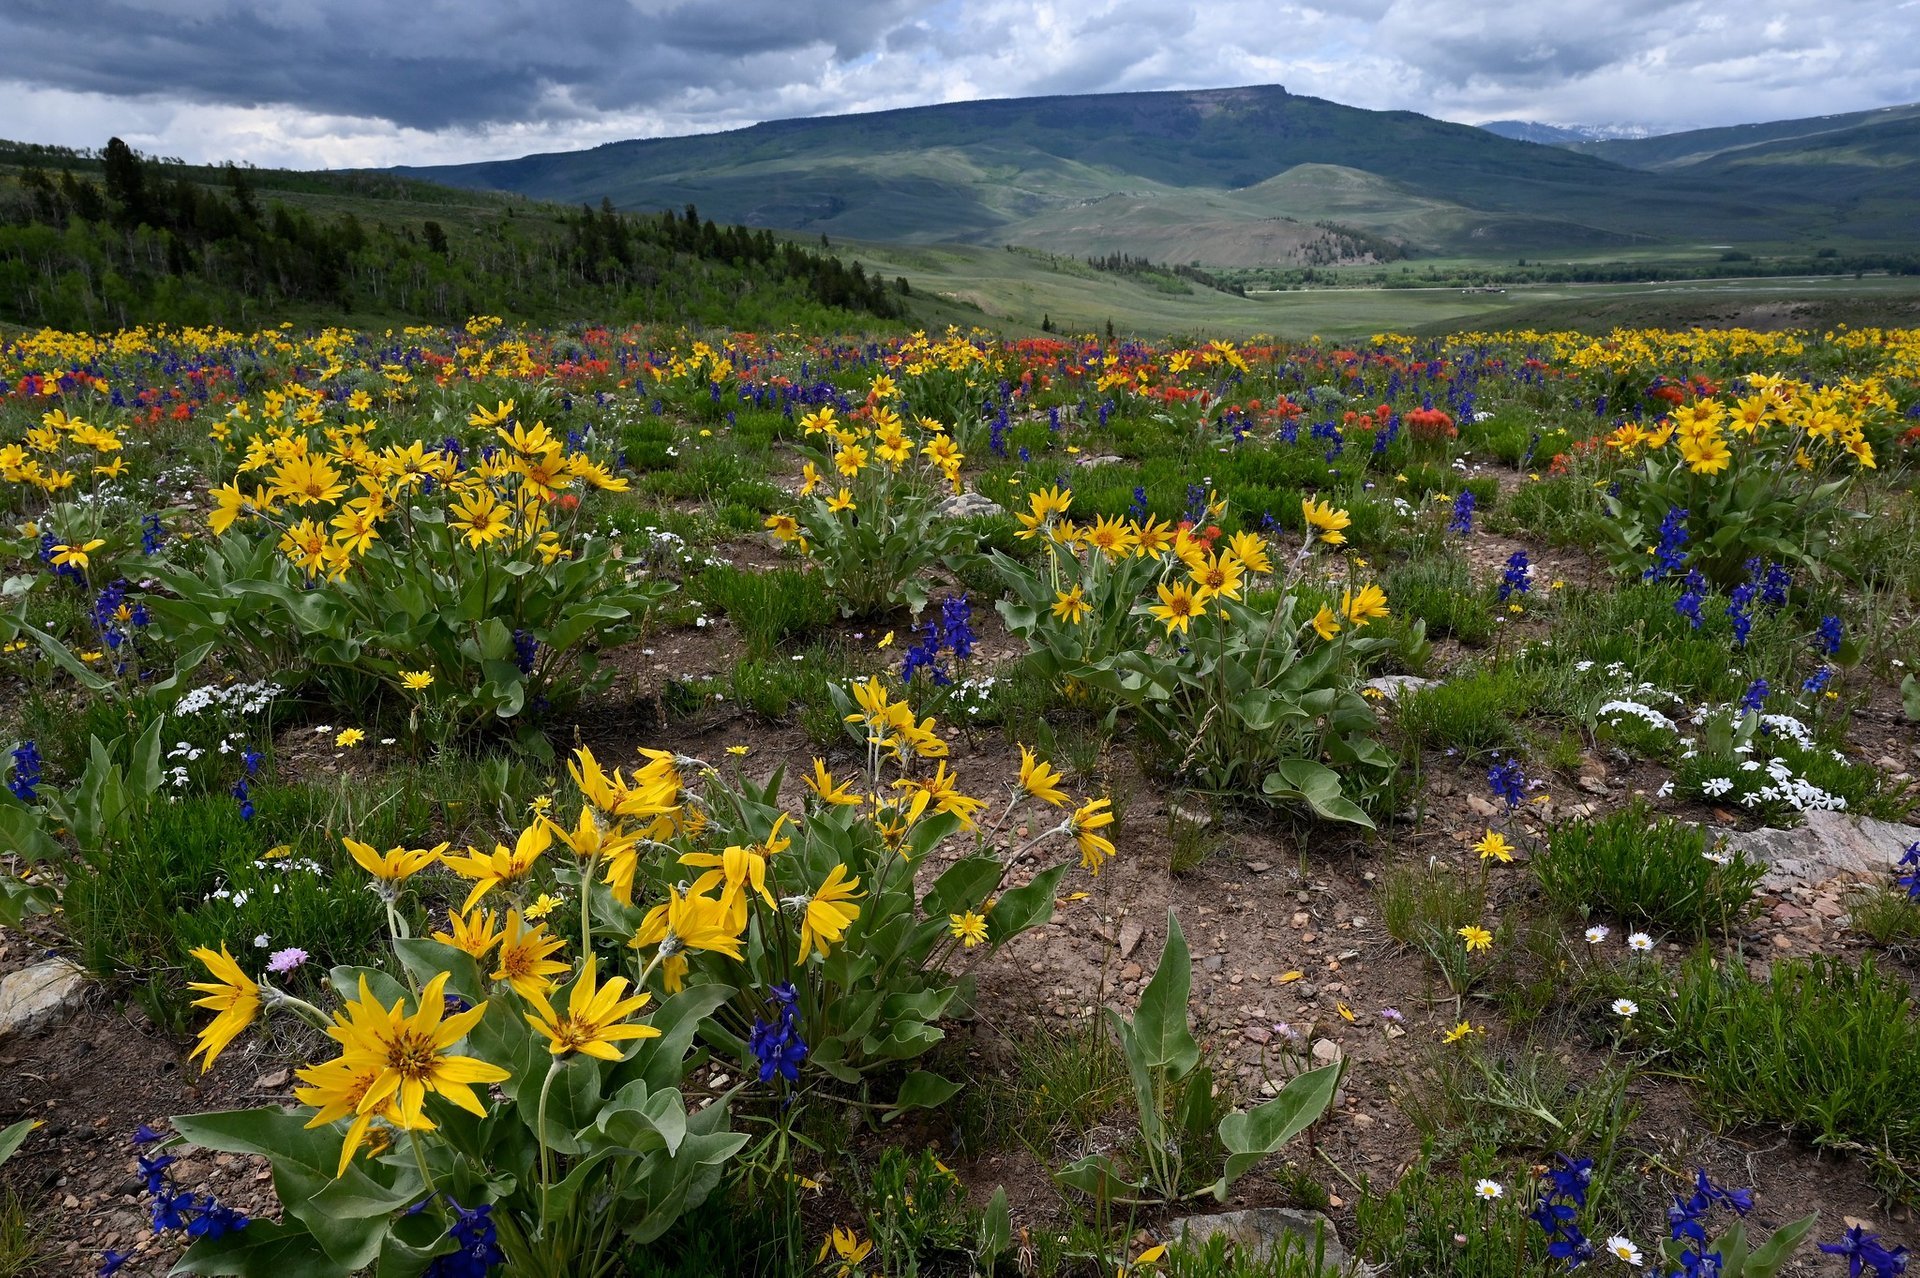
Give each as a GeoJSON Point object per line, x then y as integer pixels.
{"type": "Point", "coordinates": [22, 1251]}
{"type": "Point", "coordinates": [1645, 870]}
{"type": "Point", "coordinates": [1065, 1082]}
{"type": "Point", "coordinates": [768, 608]}
{"type": "Point", "coordinates": [1888, 918]}
{"type": "Point", "coordinates": [1440, 590]}
{"type": "Point", "coordinates": [1431, 1223]}
{"type": "Point", "coordinates": [1479, 710]}
{"type": "Point", "coordinates": [1825, 1049]}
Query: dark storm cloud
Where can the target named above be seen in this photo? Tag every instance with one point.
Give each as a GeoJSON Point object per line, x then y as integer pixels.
{"type": "Point", "coordinates": [431, 65]}
{"type": "Point", "coordinates": [350, 82]}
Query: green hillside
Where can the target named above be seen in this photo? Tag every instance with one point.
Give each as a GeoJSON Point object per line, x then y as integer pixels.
{"type": "Point", "coordinates": [1695, 146]}
{"type": "Point", "coordinates": [1226, 177]}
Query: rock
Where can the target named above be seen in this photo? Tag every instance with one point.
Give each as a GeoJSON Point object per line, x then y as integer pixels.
{"type": "Point", "coordinates": [1326, 1051]}
{"type": "Point", "coordinates": [1197, 818]}
{"type": "Point", "coordinates": [1257, 1231]}
{"type": "Point", "coordinates": [1130, 933]}
{"type": "Point", "coordinates": [1259, 867]}
{"type": "Point", "coordinates": [1827, 846]}
{"type": "Point", "coordinates": [968, 505]}
{"type": "Point", "coordinates": [1391, 686]}
{"type": "Point", "coordinates": [1212, 962]}
{"type": "Point", "coordinates": [1258, 1034]}
{"type": "Point", "coordinates": [1593, 785]}
{"type": "Point", "coordinates": [34, 996]}
{"type": "Point", "coordinates": [1480, 807]}
{"type": "Point", "coordinates": [1131, 972]}
{"type": "Point", "coordinates": [272, 1082]}
{"type": "Point", "coordinates": [1098, 459]}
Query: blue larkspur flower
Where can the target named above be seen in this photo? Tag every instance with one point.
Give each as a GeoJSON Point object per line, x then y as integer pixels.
{"type": "Point", "coordinates": [25, 781]}
{"type": "Point", "coordinates": [1461, 521]}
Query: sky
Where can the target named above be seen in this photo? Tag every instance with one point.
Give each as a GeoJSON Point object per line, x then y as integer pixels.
{"type": "Point", "coordinates": [352, 83]}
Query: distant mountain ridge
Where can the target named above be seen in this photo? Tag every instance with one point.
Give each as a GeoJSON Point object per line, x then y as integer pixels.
{"type": "Point", "coordinates": [1565, 134]}
{"type": "Point", "coordinates": [1239, 176]}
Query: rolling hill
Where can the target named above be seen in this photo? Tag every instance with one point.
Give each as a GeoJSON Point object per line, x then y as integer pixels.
{"type": "Point", "coordinates": [1231, 177]}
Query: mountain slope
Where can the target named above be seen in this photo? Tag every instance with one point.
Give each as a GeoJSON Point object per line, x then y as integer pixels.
{"type": "Point", "coordinates": [1696, 146]}
{"type": "Point", "coordinates": [1223, 177]}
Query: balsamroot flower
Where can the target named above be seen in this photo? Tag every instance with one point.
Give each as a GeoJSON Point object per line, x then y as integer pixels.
{"type": "Point", "coordinates": [596, 1017]}
{"type": "Point", "coordinates": [232, 994]}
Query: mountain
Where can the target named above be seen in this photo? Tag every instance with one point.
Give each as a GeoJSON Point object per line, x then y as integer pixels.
{"type": "Point", "coordinates": [1697, 146]}
{"type": "Point", "coordinates": [1241, 176]}
{"type": "Point", "coordinates": [1564, 134]}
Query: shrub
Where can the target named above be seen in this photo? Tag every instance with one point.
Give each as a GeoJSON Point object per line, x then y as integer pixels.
{"type": "Point", "coordinates": [1656, 871]}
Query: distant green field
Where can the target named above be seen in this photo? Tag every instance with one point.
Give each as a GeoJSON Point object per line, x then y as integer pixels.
{"type": "Point", "coordinates": [1015, 291]}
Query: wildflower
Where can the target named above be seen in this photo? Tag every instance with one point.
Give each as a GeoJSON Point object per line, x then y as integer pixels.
{"type": "Point", "coordinates": [1070, 606]}
{"type": "Point", "coordinates": [1368, 605]}
{"type": "Point", "coordinates": [1477, 938]}
{"type": "Point", "coordinates": [75, 556]}
{"type": "Point", "coordinates": [543, 905]}
{"type": "Point", "coordinates": [409, 1053]}
{"type": "Point", "coordinates": [1493, 846]}
{"type": "Point", "coordinates": [594, 1019]}
{"type": "Point", "coordinates": [281, 962]}
{"type": "Point", "coordinates": [1391, 1015]}
{"type": "Point", "coordinates": [1518, 578]}
{"type": "Point", "coordinates": [1089, 818]}
{"type": "Point", "coordinates": [394, 866]}
{"type": "Point", "coordinates": [1039, 779]}
{"type": "Point", "coordinates": [1507, 781]}
{"type": "Point", "coordinates": [1640, 943]}
{"type": "Point", "coordinates": [525, 957]}
{"type": "Point", "coordinates": [1324, 519]}
{"type": "Point", "coordinates": [1865, 1251]}
{"type": "Point", "coordinates": [827, 790]}
{"type": "Point", "coordinates": [969, 929]}
{"type": "Point", "coordinates": [1817, 681]}
{"type": "Point", "coordinates": [827, 914]}
{"type": "Point", "coordinates": [777, 1043]}
{"type": "Point", "coordinates": [1670, 556]}
{"type": "Point", "coordinates": [1688, 604]}
{"type": "Point", "coordinates": [1755, 697]}
{"type": "Point", "coordinates": [848, 1248]}
{"type": "Point", "coordinates": [478, 1240]}
{"type": "Point", "coordinates": [1597, 933]}
{"type": "Point", "coordinates": [1626, 1007]}
{"type": "Point", "coordinates": [1488, 1190]}
{"type": "Point", "coordinates": [473, 933]}
{"type": "Point", "coordinates": [1830, 635]}
{"type": "Point", "coordinates": [26, 773]}
{"type": "Point", "coordinates": [501, 868]}
{"type": "Point", "coordinates": [1325, 623]}
{"type": "Point", "coordinates": [1622, 1248]}
{"type": "Point", "coordinates": [416, 680]}
{"type": "Point", "coordinates": [1461, 521]}
{"type": "Point", "coordinates": [1178, 605]}
{"type": "Point", "coordinates": [1464, 1030]}
{"type": "Point", "coordinates": [243, 794]}
{"type": "Point", "coordinates": [349, 738]}
{"type": "Point", "coordinates": [232, 994]}
{"type": "Point", "coordinates": [739, 751]}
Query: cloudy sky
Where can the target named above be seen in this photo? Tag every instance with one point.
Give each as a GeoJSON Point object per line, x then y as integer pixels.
{"type": "Point", "coordinates": [325, 83]}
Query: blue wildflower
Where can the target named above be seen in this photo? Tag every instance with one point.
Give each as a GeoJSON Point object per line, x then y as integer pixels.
{"type": "Point", "coordinates": [1462, 519]}
{"type": "Point", "coordinates": [525, 646]}
{"type": "Point", "coordinates": [1755, 697]}
{"type": "Point", "coordinates": [1507, 781]}
{"type": "Point", "coordinates": [1830, 635]}
{"type": "Point", "coordinates": [241, 792]}
{"type": "Point", "coordinates": [1774, 586]}
{"type": "Point", "coordinates": [777, 1043]}
{"type": "Point", "coordinates": [1865, 1251]}
{"type": "Point", "coordinates": [1740, 612]}
{"type": "Point", "coordinates": [1817, 681]}
{"type": "Point", "coordinates": [25, 782]}
{"type": "Point", "coordinates": [478, 1240]}
{"type": "Point", "coordinates": [1518, 579]}
{"type": "Point", "coordinates": [1670, 555]}
{"type": "Point", "coordinates": [1688, 604]}
{"type": "Point", "coordinates": [152, 535]}
{"type": "Point", "coordinates": [111, 1262]}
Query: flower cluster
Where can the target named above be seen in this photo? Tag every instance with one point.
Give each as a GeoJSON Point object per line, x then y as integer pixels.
{"type": "Point", "coordinates": [1557, 1206]}
{"type": "Point", "coordinates": [777, 1044]}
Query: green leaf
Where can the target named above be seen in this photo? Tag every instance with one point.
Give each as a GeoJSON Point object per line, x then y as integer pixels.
{"type": "Point", "coordinates": [1023, 907]}
{"type": "Point", "coordinates": [964, 885]}
{"type": "Point", "coordinates": [923, 1089]}
{"type": "Point", "coordinates": [1253, 1134]}
{"type": "Point", "coordinates": [1318, 787]}
{"type": "Point", "coordinates": [996, 1231]}
{"type": "Point", "coordinates": [10, 1138]}
{"type": "Point", "coordinates": [1910, 696]}
{"type": "Point", "coordinates": [1096, 1176]}
{"type": "Point", "coordinates": [262, 1250]}
{"type": "Point", "coordinates": [1160, 1032]}
{"type": "Point", "coordinates": [1767, 1258]}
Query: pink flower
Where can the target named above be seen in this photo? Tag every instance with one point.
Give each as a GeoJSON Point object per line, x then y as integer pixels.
{"type": "Point", "coordinates": [280, 962]}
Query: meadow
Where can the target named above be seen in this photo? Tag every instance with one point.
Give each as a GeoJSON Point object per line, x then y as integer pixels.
{"type": "Point", "coordinates": [618, 800]}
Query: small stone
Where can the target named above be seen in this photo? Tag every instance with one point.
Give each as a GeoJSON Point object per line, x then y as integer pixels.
{"type": "Point", "coordinates": [1131, 972]}
{"type": "Point", "coordinates": [968, 505]}
{"type": "Point", "coordinates": [1480, 807]}
{"type": "Point", "coordinates": [272, 1082]}
{"type": "Point", "coordinates": [1258, 1034]}
{"type": "Point", "coordinates": [1593, 785]}
{"type": "Point", "coordinates": [1130, 933]}
{"type": "Point", "coordinates": [1783, 942]}
{"type": "Point", "coordinates": [1326, 1051]}
{"type": "Point", "coordinates": [47, 992]}
{"type": "Point", "coordinates": [1259, 867]}
{"type": "Point", "coordinates": [1258, 1231]}
{"type": "Point", "coordinates": [1212, 963]}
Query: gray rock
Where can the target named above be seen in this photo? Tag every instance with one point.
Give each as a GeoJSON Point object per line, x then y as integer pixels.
{"type": "Point", "coordinates": [34, 996]}
{"type": "Point", "coordinates": [1827, 846]}
{"type": "Point", "coordinates": [1098, 459]}
{"type": "Point", "coordinates": [967, 505]}
{"type": "Point", "coordinates": [1391, 686]}
{"type": "Point", "coordinates": [1326, 1051]}
{"type": "Point", "coordinates": [1259, 1231]}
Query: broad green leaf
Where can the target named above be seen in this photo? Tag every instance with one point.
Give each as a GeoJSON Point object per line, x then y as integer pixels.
{"type": "Point", "coordinates": [1769, 1256]}
{"type": "Point", "coordinates": [11, 1138]}
{"type": "Point", "coordinates": [1023, 907]}
{"type": "Point", "coordinates": [963, 886]}
{"type": "Point", "coordinates": [1160, 1032]}
{"type": "Point", "coordinates": [263, 1249]}
{"type": "Point", "coordinates": [923, 1089]}
{"type": "Point", "coordinates": [1096, 1176]}
{"type": "Point", "coordinates": [1253, 1134]}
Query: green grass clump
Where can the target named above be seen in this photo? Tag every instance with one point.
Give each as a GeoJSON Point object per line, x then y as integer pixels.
{"type": "Point", "coordinates": [1480, 710]}
{"type": "Point", "coordinates": [767, 608]}
{"type": "Point", "coordinates": [1440, 590]}
{"type": "Point", "coordinates": [1432, 1223]}
{"type": "Point", "coordinates": [1826, 1049]}
{"type": "Point", "coordinates": [1631, 866]}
